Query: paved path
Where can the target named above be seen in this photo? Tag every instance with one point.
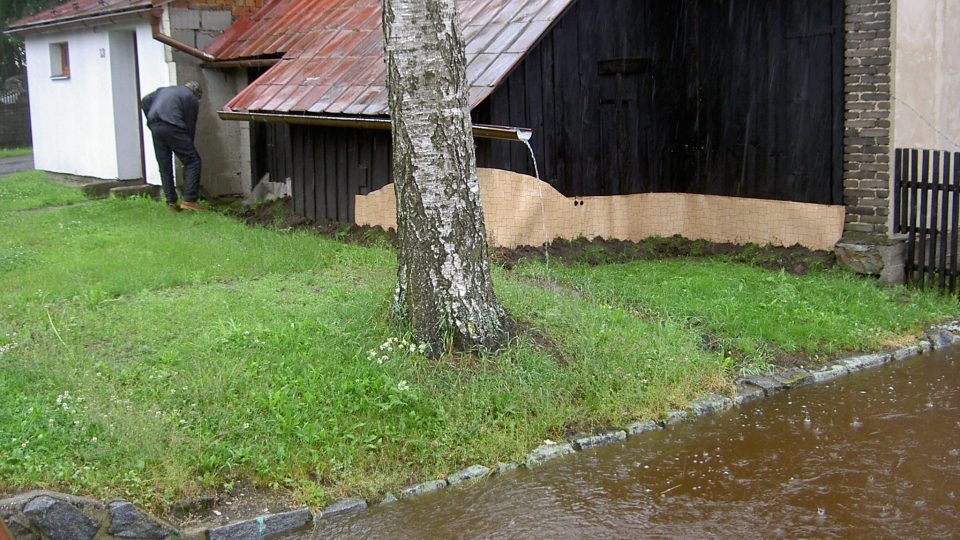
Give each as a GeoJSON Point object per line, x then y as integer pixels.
{"type": "Point", "coordinates": [16, 164]}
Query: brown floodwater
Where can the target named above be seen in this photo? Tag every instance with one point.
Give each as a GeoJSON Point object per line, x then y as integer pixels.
{"type": "Point", "coordinates": [872, 454]}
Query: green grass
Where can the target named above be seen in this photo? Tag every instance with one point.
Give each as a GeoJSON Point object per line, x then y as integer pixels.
{"type": "Point", "coordinates": [15, 152]}
{"type": "Point", "coordinates": [156, 356]}
{"type": "Point", "coordinates": [29, 190]}
{"type": "Point", "coordinates": [757, 314]}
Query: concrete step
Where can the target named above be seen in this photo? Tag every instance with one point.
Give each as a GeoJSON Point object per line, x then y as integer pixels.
{"type": "Point", "coordinates": [135, 190]}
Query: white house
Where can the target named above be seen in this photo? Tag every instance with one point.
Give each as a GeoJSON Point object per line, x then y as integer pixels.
{"type": "Point", "coordinates": [90, 61]}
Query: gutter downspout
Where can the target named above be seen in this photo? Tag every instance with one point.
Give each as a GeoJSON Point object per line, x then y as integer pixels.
{"type": "Point", "coordinates": [155, 15]}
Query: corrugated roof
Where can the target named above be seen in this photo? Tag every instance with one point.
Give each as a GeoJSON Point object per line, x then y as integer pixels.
{"type": "Point", "coordinates": [78, 10]}
{"type": "Point", "coordinates": [333, 52]}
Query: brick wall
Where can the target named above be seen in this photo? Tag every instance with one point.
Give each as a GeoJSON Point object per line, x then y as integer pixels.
{"type": "Point", "coordinates": [866, 153]}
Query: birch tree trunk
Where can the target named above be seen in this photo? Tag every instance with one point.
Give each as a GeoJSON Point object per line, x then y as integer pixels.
{"type": "Point", "coordinates": [444, 287]}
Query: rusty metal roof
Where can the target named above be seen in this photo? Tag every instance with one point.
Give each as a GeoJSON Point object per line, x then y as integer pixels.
{"type": "Point", "coordinates": [76, 10]}
{"type": "Point", "coordinates": [332, 52]}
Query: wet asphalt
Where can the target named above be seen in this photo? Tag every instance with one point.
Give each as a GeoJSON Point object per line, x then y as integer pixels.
{"type": "Point", "coordinates": [15, 164]}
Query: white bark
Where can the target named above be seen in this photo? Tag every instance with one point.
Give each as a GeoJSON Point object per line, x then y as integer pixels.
{"type": "Point", "coordinates": [443, 280]}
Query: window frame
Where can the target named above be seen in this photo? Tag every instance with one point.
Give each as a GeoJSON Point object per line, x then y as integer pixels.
{"type": "Point", "coordinates": [60, 60]}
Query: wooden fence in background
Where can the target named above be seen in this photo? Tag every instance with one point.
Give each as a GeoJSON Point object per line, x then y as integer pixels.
{"type": "Point", "coordinates": [15, 123]}
{"type": "Point", "coordinates": [927, 209]}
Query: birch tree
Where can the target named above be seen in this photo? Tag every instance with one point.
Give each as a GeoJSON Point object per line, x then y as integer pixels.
{"type": "Point", "coordinates": [444, 287]}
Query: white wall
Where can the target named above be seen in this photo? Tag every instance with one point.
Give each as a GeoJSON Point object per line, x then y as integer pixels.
{"type": "Point", "coordinates": [155, 73]}
{"type": "Point", "coordinates": [85, 125]}
{"type": "Point", "coordinates": [927, 75]}
{"type": "Point", "coordinates": [72, 119]}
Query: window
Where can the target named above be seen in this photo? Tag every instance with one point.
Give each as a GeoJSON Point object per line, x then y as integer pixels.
{"type": "Point", "coordinates": [59, 61]}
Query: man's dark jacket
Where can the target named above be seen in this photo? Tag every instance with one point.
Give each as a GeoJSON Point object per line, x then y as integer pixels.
{"type": "Point", "coordinates": [174, 105]}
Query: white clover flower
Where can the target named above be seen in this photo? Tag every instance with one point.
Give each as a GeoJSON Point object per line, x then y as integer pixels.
{"type": "Point", "coordinates": [246, 425]}
{"type": "Point", "coordinates": [403, 386]}
{"type": "Point", "coordinates": [93, 440]}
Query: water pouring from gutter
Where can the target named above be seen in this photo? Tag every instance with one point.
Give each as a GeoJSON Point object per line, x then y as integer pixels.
{"type": "Point", "coordinates": [524, 136]}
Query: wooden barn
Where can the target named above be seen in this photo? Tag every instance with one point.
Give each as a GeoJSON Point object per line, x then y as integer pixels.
{"type": "Point", "coordinates": [738, 98]}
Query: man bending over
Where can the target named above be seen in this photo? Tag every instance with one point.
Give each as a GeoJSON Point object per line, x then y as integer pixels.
{"type": "Point", "coordinates": [172, 118]}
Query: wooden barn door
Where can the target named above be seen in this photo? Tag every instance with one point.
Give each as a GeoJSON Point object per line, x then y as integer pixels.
{"type": "Point", "coordinates": [624, 113]}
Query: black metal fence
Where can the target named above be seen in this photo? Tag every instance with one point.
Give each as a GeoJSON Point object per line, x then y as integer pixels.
{"type": "Point", "coordinates": [927, 209]}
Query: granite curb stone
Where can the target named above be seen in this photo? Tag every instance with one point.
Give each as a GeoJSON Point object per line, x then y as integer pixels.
{"type": "Point", "coordinates": [601, 439]}
{"type": "Point", "coordinates": [546, 452]}
{"type": "Point", "coordinates": [767, 383]}
{"type": "Point", "coordinates": [642, 426]}
{"type": "Point", "coordinates": [940, 338]}
{"type": "Point", "coordinates": [470, 473]}
{"type": "Point", "coordinates": [747, 393]}
{"type": "Point", "coordinates": [268, 525]}
{"type": "Point", "coordinates": [128, 521]}
{"type": "Point", "coordinates": [829, 373]}
{"type": "Point", "coordinates": [60, 520]}
{"type": "Point", "coordinates": [709, 404]}
{"type": "Point", "coordinates": [857, 363]}
{"type": "Point", "coordinates": [422, 489]}
{"type": "Point", "coordinates": [344, 506]}
{"type": "Point", "coordinates": [907, 352]}
{"type": "Point", "coordinates": [674, 417]}
{"type": "Point", "coordinates": [20, 529]}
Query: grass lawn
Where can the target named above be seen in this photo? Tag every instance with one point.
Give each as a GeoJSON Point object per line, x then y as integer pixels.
{"type": "Point", "coordinates": [158, 356]}
{"type": "Point", "coordinates": [14, 152]}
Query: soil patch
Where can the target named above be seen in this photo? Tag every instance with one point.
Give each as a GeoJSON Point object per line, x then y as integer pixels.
{"type": "Point", "coordinates": [796, 260]}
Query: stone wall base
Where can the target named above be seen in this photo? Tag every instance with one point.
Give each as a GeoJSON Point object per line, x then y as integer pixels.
{"type": "Point", "coordinates": [884, 257]}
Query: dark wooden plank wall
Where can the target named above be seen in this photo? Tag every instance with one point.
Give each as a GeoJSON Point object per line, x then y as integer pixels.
{"type": "Point", "coordinates": [725, 97]}
{"type": "Point", "coordinates": [271, 151]}
{"type": "Point", "coordinates": [331, 165]}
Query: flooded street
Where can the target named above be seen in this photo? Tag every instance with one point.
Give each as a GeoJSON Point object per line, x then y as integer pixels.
{"type": "Point", "coordinates": [872, 454]}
